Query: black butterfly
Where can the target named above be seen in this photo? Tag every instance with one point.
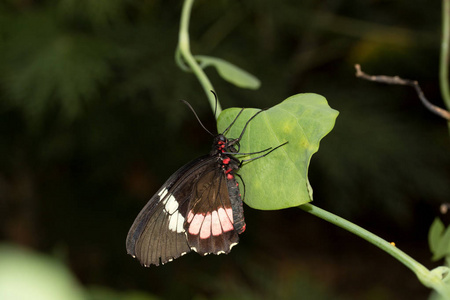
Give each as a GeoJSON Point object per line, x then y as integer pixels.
{"type": "Point", "coordinates": [198, 208]}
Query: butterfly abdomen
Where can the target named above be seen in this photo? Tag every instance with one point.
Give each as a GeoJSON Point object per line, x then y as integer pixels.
{"type": "Point", "coordinates": [230, 166]}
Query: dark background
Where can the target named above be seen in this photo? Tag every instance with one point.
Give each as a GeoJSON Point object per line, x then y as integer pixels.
{"type": "Point", "coordinates": [91, 126]}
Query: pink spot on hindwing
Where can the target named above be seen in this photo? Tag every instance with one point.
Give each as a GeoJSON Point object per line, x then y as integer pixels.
{"type": "Point", "coordinates": [205, 232]}
{"type": "Point", "coordinates": [196, 224]}
{"type": "Point", "coordinates": [190, 216]}
{"type": "Point", "coordinates": [215, 224]}
{"type": "Point", "coordinates": [230, 214]}
{"type": "Point", "coordinates": [226, 219]}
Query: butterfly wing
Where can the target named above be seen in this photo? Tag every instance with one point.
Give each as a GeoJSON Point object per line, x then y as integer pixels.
{"type": "Point", "coordinates": [158, 235]}
{"type": "Point", "coordinates": [210, 223]}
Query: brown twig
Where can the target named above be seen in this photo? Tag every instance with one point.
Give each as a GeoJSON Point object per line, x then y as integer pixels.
{"type": "Point", "coordinates": [400, 81]}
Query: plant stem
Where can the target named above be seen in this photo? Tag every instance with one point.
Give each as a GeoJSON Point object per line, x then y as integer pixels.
{"type": "Point", "coordinates": [185, 51]}
{"type": "Point", "coordinates": [444, 59]}
{"type": "Point", "coordinates": [427, 277]}
{"type": "Point", "coordinates": [400, 81]}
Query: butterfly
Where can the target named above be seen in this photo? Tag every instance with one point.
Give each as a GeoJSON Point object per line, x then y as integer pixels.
{"type": "Point", "coordinates": [199, 208]}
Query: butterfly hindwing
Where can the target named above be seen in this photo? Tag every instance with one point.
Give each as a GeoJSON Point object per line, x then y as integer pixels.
{"type": "Point", "coordinates": [209, 224]}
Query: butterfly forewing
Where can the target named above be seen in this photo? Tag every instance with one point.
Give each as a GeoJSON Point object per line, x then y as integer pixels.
{"type": "Point", "coordinates": [158, 233]}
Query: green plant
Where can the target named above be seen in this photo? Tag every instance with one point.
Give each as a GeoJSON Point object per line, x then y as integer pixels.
{"type": "Point", "coordinates": [303, 120]}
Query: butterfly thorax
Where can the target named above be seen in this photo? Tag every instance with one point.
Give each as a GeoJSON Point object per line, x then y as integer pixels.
{"type": "Point", "coordinates": [222, 149]}
{"type": "Point", "coordinates": [222, 144]}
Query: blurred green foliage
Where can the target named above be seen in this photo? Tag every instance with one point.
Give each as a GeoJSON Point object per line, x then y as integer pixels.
{"type": "Point", "coordinates": [439, 241]}
{"type": "Point", "coordinates": [91, 125]}
{"type": "Point", "coordinates": [25, 275]}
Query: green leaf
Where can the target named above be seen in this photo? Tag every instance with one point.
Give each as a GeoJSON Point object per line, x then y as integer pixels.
{"type": "Point", "coordinates": [28, 275]}
{"type": "Point", "coordinates": [230, 72]}
{"type": "Point", "coordinates": [434, 235]}
{"type": "Point", "coordinates": [280, 180]}
{"type": "Point", "coordinates": [439, 240]}
{"type": "Point", "coordinates": [443, 248]}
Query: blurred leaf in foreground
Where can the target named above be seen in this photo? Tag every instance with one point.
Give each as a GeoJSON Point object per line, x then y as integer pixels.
{"type": "Point", "coordinates": [26, 275]}
{"type": "Point", "coordinates": [439, 240]}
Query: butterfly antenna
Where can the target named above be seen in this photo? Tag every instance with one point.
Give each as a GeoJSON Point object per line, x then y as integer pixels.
{"type": "Point", "coordinates": [237, 116]}
{"type": "Point", "coordinates": [265, 154]}
{"type": "Point", "coordinates": [195, 114]}
{"type": "Point", "coordinates": [215, 109]}
{"type": "Point", "coordinates": [245, 127]}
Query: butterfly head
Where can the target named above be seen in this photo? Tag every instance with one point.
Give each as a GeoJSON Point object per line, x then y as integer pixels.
{"type": "Point", "coordinates": [223, 144]}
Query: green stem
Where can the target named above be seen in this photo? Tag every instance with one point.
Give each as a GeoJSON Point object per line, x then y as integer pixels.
{"type": "Point", "coordinates": [184, 50]}
{"type": "Point", "coordinates": [427, 277]}
{"type": "Point", "coordinates": [444, 59]}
